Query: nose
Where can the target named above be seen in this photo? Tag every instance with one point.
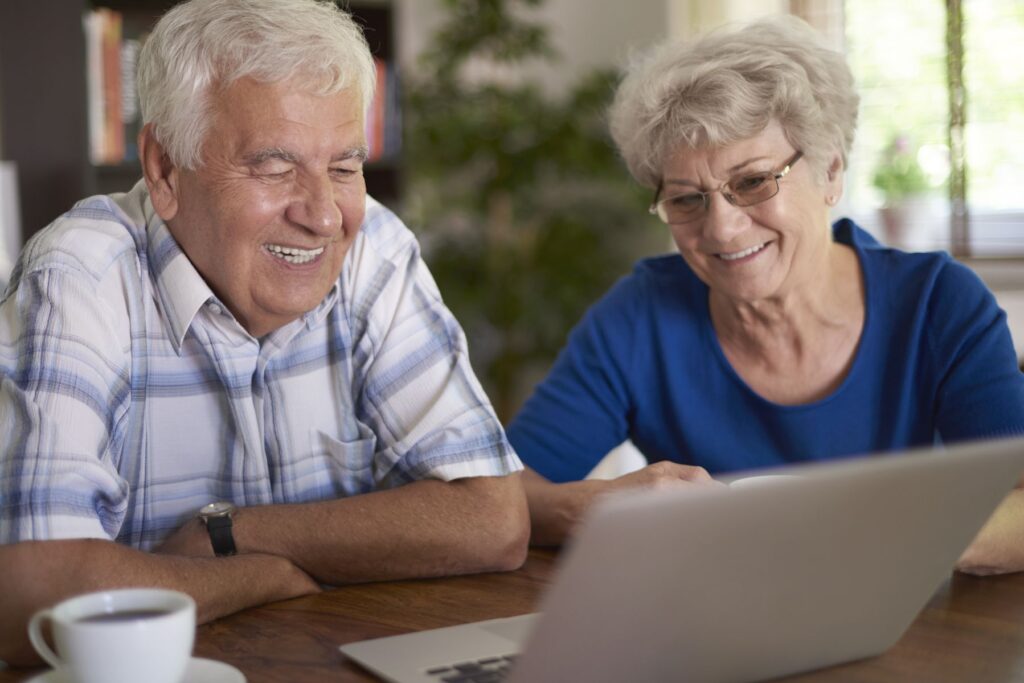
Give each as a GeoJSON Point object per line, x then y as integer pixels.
{"type": "Point", "coordinates": [315, 206]}
{"type": "Point", "coordinates": [723, 221]}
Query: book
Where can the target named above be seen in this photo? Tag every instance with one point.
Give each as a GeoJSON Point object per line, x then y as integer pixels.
{"type": "Point", "coordinates": [92, 23]}
{"type": "Point", "coordinates": [130, 113]}
{"type": "Point", "coordinates": [110, 88]}
{"type": "Point", "coordinates": [113, 124]}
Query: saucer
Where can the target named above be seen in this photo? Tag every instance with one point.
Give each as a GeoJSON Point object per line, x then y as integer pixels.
{"type": "Point", "coordinates": [199, 671]}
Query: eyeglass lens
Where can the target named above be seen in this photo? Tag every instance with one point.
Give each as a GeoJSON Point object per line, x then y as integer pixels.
{"type": "Point", "coordinates": [743, 191]}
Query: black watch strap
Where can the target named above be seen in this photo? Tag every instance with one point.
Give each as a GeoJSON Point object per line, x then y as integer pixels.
{"type": "Point", "coordinates": [221, 538]}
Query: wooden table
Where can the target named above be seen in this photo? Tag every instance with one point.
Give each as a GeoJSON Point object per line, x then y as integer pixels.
{"type": "Point", "coordinates": [972, 631]}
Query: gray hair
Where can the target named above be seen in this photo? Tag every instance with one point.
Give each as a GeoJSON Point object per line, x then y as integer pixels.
{"type": "Point", "coordinates": [205, 44]}
{"type": "Point", "coordinates": [728, 86]}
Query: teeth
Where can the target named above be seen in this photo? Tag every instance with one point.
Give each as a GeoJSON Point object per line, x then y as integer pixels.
{"type": "Point", "coordinates": [741, 254]}
{"type": "Point", "coordinates": [293, 255]}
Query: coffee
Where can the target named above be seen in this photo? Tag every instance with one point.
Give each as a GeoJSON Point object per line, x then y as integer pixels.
{"type": "Point", "coordinates": [118, 636]}
{"type": "Point", "coordinates": [122, 616]}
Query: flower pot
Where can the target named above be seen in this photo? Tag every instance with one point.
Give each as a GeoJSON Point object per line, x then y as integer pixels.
{"type": "Point", "coordinates": [895, 225]}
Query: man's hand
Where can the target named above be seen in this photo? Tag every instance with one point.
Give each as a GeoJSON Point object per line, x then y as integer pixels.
{"type": "Point", "coordinates": [191, 540]}
{"type": "Point", "coordinates": [556, 509]}
{"type": "Point", "coordinates": [424, 528]}
{"type": "Point", "coordinates": [46, 572]}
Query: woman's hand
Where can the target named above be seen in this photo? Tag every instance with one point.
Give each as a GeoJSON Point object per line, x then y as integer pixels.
{"type": "Point", "coordinates": [662, 475]}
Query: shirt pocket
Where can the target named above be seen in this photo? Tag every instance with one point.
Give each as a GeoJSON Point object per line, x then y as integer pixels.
{"type": "Point", "coordinates": [350, 464]}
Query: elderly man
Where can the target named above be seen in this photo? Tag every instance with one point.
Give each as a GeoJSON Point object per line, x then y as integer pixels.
{"type": "Point", "coordinates": [246, 337]}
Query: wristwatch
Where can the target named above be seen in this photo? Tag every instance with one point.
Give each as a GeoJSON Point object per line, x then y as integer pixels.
{"type": "Point", "coordinates": [217, 517]}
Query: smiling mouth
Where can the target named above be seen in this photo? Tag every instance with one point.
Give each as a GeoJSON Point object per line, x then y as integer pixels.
{"type": "Point", "coordinates": [737, 255]}
{"type": "Point", "coordinates": [294, 255]}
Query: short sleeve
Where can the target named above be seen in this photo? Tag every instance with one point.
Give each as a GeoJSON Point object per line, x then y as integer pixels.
{"type": "Point", "coordinates": [981, 390]}
{"type": "Point", "coordinates": [60, 377]}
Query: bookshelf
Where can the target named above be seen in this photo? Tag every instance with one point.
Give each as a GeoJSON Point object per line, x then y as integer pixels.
{"type": "Point", "coordinates": [44, 101]}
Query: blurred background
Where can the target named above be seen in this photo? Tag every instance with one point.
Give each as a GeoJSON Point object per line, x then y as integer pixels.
{"type": "Point", "coordinates": [488, 138]}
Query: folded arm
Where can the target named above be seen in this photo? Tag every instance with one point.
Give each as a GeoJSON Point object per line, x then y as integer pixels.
{"type": "Point", "coordinates": [426, 528]}
{"type": "Point", "coordinates": [46, 572]}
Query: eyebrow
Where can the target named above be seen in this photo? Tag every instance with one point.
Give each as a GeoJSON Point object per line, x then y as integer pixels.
{"type": "Point", "coordinates": [361, 153]}
{"type": "Point", "coordinates": [277, 154]}
{"type": "Point", "coordinates": [730, 172]}
{"type": "Point", "coordinates": [261, 155]}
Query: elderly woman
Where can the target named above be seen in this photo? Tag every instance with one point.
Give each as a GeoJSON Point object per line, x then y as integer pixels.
{"type": "Point", "coordinates": [775, 338]}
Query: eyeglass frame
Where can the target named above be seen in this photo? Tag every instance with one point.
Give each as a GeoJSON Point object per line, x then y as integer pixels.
{"type": "Point", "coordinates": [776, 176]}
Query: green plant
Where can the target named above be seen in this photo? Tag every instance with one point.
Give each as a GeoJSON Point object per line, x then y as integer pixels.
{"type": "Point", "coordinates": [525, 211]}
{"type": "Point", "coordinates": [898, 174]}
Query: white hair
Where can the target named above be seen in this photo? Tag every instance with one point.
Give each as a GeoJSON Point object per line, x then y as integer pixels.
{"type": "Point", "coordinates": [201, 45]}
{"type": "Point", "coordinates": [728, 86]}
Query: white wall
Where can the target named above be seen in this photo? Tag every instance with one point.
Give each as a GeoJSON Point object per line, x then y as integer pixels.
{"type": "Point", "coordinates": [10, 220]}
{"type": "Point", "coordinates": [689, 18]}
{"type": "Point", "coordinates": [587, 34]}
{"type": "Point", "coordinates": [591, 33]}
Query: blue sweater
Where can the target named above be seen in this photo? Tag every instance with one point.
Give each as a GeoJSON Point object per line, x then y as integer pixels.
{"type": "Point", "coordinates": [935, 361]}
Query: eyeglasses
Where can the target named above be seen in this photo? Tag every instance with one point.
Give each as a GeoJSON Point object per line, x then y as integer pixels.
{"type": "Point", "coordinates": [742, 191]}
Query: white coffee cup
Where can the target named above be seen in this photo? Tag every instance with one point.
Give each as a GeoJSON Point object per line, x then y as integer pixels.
{"type": "Point", "coordinates": [119, 636]}
{"type": "Point", "coordinates": [759, 480]}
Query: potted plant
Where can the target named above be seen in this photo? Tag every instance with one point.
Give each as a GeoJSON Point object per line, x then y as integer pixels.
{"type": "Point", "coordinates": [900, 178]}
{"type": "Point", "coordinates": [525, 212]}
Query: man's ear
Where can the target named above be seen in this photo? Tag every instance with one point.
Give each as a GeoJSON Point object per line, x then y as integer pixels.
{"type": "Point", "coordinates": [162, 176]}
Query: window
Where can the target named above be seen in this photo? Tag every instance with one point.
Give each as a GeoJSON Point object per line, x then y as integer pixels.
{"type": "Point", "coordinates": [901, 167]}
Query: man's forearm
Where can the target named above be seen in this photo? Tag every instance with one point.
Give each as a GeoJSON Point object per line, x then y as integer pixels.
{"type": "Point", "coordinates": [39, 574]}
{"type": "Point", "coordinates": [426, 528]}
{"type": "Point", "coordinates": [556, 509]}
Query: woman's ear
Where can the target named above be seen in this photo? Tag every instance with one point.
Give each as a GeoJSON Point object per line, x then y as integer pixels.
{"type": "Point", "coordinates": [835, 168]}
{"type": "Point", "coordinates": [160, 173]}
{"type": "Point", "coordinates": [834, 181]}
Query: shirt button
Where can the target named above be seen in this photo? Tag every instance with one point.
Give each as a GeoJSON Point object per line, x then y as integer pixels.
{"type": "Point", "coordinates": [214, 308]}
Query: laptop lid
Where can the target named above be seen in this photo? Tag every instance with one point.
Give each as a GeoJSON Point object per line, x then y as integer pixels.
{"type": "Point", "coordinates": [742, 584]}
{"type": "Point", "coordinates": [827, 563]}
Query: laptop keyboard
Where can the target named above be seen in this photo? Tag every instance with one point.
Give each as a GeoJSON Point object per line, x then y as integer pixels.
{"type": "Point", "coordinates": [487, 670]}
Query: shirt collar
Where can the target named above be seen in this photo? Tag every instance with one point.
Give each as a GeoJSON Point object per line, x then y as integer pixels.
{"type": "Point", "coordinates": [317, 315]}
{"type": "Point", "coordinates": [180, 288]}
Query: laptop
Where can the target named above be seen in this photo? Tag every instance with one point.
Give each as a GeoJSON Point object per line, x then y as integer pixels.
{"type": "Point", "coordinates": [827, 564]}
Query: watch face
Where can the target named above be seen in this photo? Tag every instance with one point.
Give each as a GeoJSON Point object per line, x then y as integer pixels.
{"type": "Point", "coordinates": [218, 509]}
